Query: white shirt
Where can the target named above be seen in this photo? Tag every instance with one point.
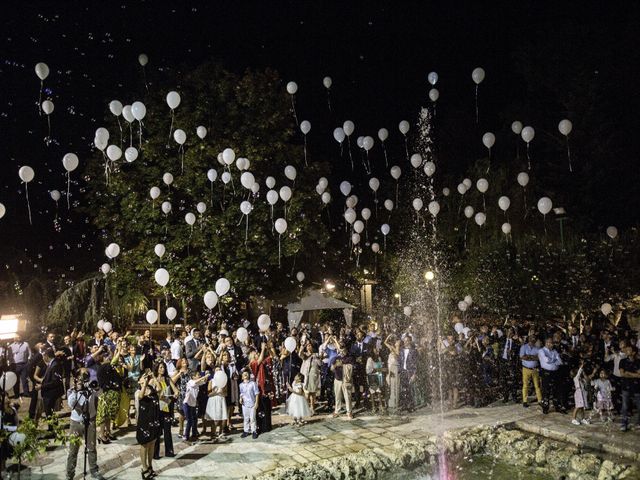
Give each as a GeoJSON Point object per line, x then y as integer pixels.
{"type": "Point", "coordinates": [171, 368]}
{"type": "Point", "coordinates": [616, 361]}
{"type": "Point", "coordinates": [406, 355]}
{"type": "Point", "coordinates": [508, 345]}
{"type": "Point", "coordinates": [176, 350]}
{"type": "Point", "coordinates": [549, 359]}
{"type": "Point", "coordinates": [191, 393]}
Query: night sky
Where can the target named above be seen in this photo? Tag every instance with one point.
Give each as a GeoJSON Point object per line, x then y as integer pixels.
{"type": "Point", "coordinates": [378, 55]}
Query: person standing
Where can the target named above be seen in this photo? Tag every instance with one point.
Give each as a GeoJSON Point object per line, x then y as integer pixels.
{"type": "Point", "coordinates": [408, 371]}
{"type": "Point", "coordinates": [52, 387]}
{"type": "Point", "coordinates": [167, 394]}
{"type": "Point", "coordinates": [508, 366]}
{"type": "Point", "coordinates": [550, 363]}
{"type": "Point", "coordinates": [249, 399]}
{"type": "Point", "coordinates": [630, 373]}
{"type": "Point", "coordinates": [342, 369]}
{"type": "Point", "coordinates": [359, 353]}
{"type": "Point", "coordinates": [148, 425]}
{"type": "Point", "coordinates": [311, 372]}
{"type": "Point", "coordinates": [393, 375]}
{"type": "Point", "coordinates": [82, 405]}
{"type": "Point", "coordinates": [110, 382]}
{"type": "Point", "coordinates": [191, 348]}
{"type": "Point", "coordinates": [21, 353]}
{"type": "Point", "coordinates": [529, 359]}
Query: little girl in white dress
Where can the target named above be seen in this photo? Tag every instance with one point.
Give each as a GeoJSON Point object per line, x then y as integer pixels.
{"type": "Point", "coordinates": [297, 406]}
{"type": "Point", "coordinates": [217, 409]}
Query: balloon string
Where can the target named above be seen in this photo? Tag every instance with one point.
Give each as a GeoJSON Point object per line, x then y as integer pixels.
{"type": "Point", "coordinates": [484, 204]}
{"type": "Point", "coordinates": [272, 224]}
{"type": "Point", "coordinates": [489, 166]}
{"type": "Point", "coordinates": [68, 188]}
{"type": "Point", "coordinates": [26, 186]}
{"type": "Point", "coordinates": [170, 129]}
{"type": "Point", "coordinates": [144, 77]}
{"type": "Point", "coordinates": [120, 127]}
{"type": "Point", "coordinates": [293, 107]}
{"type": "Point", "coordinates": [279, 251]}
{"type": "Point", "coordinates": [406, 147]}
{"type": "Point", "coordinates": [396, 205]}
{"type": "Point", "coordinates": [181, 153]}
{"type": "Point", "coordinates": [211, 201]}
{"type": "Point", "coordinates": [48, 139]}
{"type": "Point", "coordinates": [130, 135]}
{"type": "Point", "coordinates": [569, 153]}
{"type": "Point", "coordinates": [525, 201]}
{"type": "Point", "coordinates": [386, 161]}
{"type": "Point", "coordinates": [477, 115]}
{"type": "Point", "coordinates": [350, 157]}
{"type": "Point", "coordinates": [305, 150]}
{"type": "Point", "coordinates": [140, 133]}
{"type": "Point", "coordinates": [528, 157]}
{"type": "Point", "coordinates": [246, 231]}
{"type": "Point", "coordinates": [375, 200]}
{"type": "Point", "coordinates": [329, 99]}
{"type": "Point", "coordinates": [40, 98]}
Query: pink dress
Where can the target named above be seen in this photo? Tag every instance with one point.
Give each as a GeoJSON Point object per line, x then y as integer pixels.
{"type": "Point", "coordinates": [580, 395]}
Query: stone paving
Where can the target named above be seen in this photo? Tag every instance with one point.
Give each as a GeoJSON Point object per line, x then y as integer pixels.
{"type": "Point", "coordinates": [324, 438]}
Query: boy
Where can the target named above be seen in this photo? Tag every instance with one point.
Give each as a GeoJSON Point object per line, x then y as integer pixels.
{"type": "Point", "coordinates": [249, 396]}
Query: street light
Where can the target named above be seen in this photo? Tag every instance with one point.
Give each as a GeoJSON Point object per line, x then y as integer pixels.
{"type": "Point", "coordinates": [330, 286]}
{"type": "Point", "coordinates": [428, 276]}
{"type": "Point", "coordinates": [397, 295]}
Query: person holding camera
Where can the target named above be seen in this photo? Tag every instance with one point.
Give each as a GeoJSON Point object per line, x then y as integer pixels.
{"type": "Point", "coordinates": [83, 401]}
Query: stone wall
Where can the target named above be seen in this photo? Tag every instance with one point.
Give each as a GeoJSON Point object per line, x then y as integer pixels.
{"type": "Point", "coordinates": [510, 446]}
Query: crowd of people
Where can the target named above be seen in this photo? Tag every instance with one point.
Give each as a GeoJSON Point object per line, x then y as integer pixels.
{"type": "Point", "coordinates": [216, 382]}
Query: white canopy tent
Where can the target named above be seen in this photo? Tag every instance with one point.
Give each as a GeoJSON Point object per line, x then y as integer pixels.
{"type": "Point", "coordinates": [315, 300]}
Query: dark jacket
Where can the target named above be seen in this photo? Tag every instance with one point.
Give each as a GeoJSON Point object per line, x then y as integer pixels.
{"type": "Point", "coordinates": [52, 384]}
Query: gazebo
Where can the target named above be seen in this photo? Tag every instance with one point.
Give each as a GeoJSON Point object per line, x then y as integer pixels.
{"type": "Point", "coordinates": [313, 301]}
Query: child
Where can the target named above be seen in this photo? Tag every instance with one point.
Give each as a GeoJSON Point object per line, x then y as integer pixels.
{"type": "Point", "coordinates": [190, 405]}
{"type": "Point", "coordinates": [580, 397]}
{"type": "Point", "coordinates": [297, 406]}
{"type": "Point", "coordinates": [603, 389]}
{"type": "Point", "coordinates": [249, 397]}
{"type": "Point", "coordinates": [217, 409]}
{"type": "Point", "coordinates": [375, 379]}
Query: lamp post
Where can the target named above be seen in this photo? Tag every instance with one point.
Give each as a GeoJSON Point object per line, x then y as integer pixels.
{"type": "Point", "coordinates": [561, 216]}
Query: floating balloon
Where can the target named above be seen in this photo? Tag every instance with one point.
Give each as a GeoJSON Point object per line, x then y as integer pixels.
{"type": "Point", "coordinates": [467, 183]}
{"type": "Point", "coordinates": [504, 203]}
{"type": "Point", "coordinates": [272, 197]}
{"type": "Point", "coordinates": [201, 132]}
{"type": "Point", "coordinates": [458, 327]}
{"type": "Point", "coordinates": [407, 311]}
{"type": "Point", "coordinates": [565, 126]}
{"type": "Point", "coordinates": [434, 208]}
{"type": "Point", "coordinates": [290, 172]}
{"type": "Point", "coordinates": [612, 232]}
{"type": "Point", "coordinates": [375, 247]}
{"type": "Point", "coordinates": [42, 70]}
{"type": "Point", "coordinates": [166, 207]}
{"type": "Point", "coordinates": [606, 309]}
{"type": "Point", "coordinates": [264, 322]}
{"type": "Point", "coordinates": [417, 204]}
{"type": "Point", "coordinates": [462, 188]}
{"type": "Point", "coordinates": [285, 193]}
{"type": "Point", "coordinates": [326, 198]}
{"type": "Point", "coordinates": [480, 218]}
{"type": "Point", "coordinates": [152, 316]}
{"type": "Point", "coordinates": [242, 334]}
{"type": "Point", "coordinates": [506, 228]}
{"type": "Point", "coordinates": [367, 143]}
{"type": "Point", "coordinates": [305, 127]}
{"type": "Point", "coordinates": [462, 306]}
{"type": "Point", "coordinates": [159, 250]}
{"type": "Point", "coordinates": [374, 184]}
{"type": "Point", "coordinates": [131, 154]}
{"type": "Point", "coordinates": [171, 313]}
{"type": "Point", "coordinates": [348, 127]}
{"type": "Point", "coordinates": [290, 344]}
{"type": "Point", "coordinates": [173, 100]}
{"type": "Point", "coordinates": [385, 229]}
{"type": "Point", "coordinates": [430, 169]}
{"type": "Point", "coordinates": [3, 210]}
{"type": "Point", "coordinates": [246, 207]}
{"type": "Point", "coordinates": [70, 162]}
{"type": "Point", "coordinates": [544, 205]}
{"type": "Point", "coordinates": [292, 88]}
{"type": "Point", "coordinates": [345, 188]}
{"type": "Point", "coordinates": [477, 75]}
{"type": "Point", "coordinates": [416, 160]}
{"type": "Point", "coordinates": [516, 127]}
{"type": "Point", "coordinates": [201, 207]}
{"type": "Point", "coordinates": [271, 182]}
{"type": "Point", "coordinates": [388, 204]}
{"type": "Point", "coordinates": [482, 185]}
{"type": "Point", "coordinates": [113, 249]}
{"type": "Point", "coordinates": [468, 211]}
{"type": "Point", "coordinates": [527, 134]}
{"type": "Point", "coordinates": [327, 82]}
{"type": "Point", "coordinates": [55, 195]}
{"type": "Point", "coordinates": [114, 153]}
{"type": "Point", "coordinates": [162, 277]}
{"type": "Point", "coordinates": [26, 174]}
{"type": "Point", "coordinates": [179, 136]}
{"type": "Point", "coordinates": [523, 179]}
{"type": "Point", "coordinates": [127, 114]}
{"type": "Point", "coordinates": [100, 324]}
{"type": "Point", "coordinates": [300, 276]}
{"type": "Point", "coordinates": [228, 156]}
{"type": "Point", "coordinates": [247, 180]}
{"type": "Point", "coordinates": [143, 59]}
{"type": "Point", "coordinates": [138, 110]}
{"type": "Point", "coordinates": [468, 300]}
{"type": "Point", "coordinates": [366, 214]}
{"type": "Point", "coordinates": [154, 193]}
{"type": "Point", "coordinates": [434, 95]}
{"type": "Point", "coordinates": [107, 326]}
{"type": "Point", "coordinates": [488, 140]}
{"type": "Point", "coordinates": [432, 78]}
{"type": "Point", "coordinates": [339, 135]}
{"type": "Point", "coordinates": [167, 178]}
{"type": "Point", "coordinates": [383, 134]}
{"type": "Point", "coordinates": [445, 191]}
{"type": "Point", "coordinates": [350, 215]}
{"type": "Point", "coordinates": [403, 126]}
{"type": "Point", "coordinates": [210, 299]}
{"type": "Point", "coordinates": [225, 177]}
{"type": "Point", "coordinates": [395, 172]}
{"type": "Point", "coordinates": [242, 164]}
{"type": "Point", "coordinates": [47, 107]}
{"type": "Point", "coordinates": [190, 218]}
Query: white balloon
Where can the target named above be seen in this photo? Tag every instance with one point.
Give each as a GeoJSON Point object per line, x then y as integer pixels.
{"type": "Point", "coordinates": [433, 78]}
{"type": "Point", "coordinates": [225, 177]}
{"type": "Point", "coordinates": [468, 300]}
{"type": "Point", "coordinates": [366, 214]}
{"type": "Point", "coordinates": [100, 324]}
{"type": "Point", "coordinates": [246, 207]}
{"type": "Point", "coordinates": [212, 175]}
{"type": "Point", "coordinates": [270, 182]}
{"type": "Point", "coordinates": [445, 191]}
{"type": "Point", "coordinates": [247, 180]}
{"type": "Point", "coordinates": [345, 188]}
{"type": "Point", "coordinates": [407, 311]}
{"type": "Point", "coordinates": [358, 226]}
{"type": "Point", "coordinates": [327, 82]}
{"type": "Point", "coordinates": [523, 179]}
{"type": "Point", "coordinates": [388, 204]}
{"type": "Point", "coordinates": [606, 309]}
{"type": "Point", "coordinates": [367, 143]}
{"type": "Point", "coordinates": [434, 208]}
{"type": "Point", "coordinates": [383, 134]}
{"type": "Point", "coordinates": [115, 107]}
{"type": "Point", "coordinates": [417, 204]}
{"type": "Point", "coordinates": [300, 276]}
{"type": "Point", "coordinates": [285, 193]}
{"type": "Point", "coordinates": [210, 299]}
{"type": "Point", "coordinates": [305, 127]}
{"type": "Point", "coordinates": [416, 160]}
{"type": "Point", "coordinates": [504, 203]}
{"type": "Point", "coordinates": [105, 268]}
{"type": "Point", "coordinates": [190, 218]}
{"type": "Point", "coordinates": [154, 193]}
{"type": "Point", "coordinates": [612, 232]}
{"type": "Point", "coordinates": [395, 172]}
{"type": "Point", "coordinates": [292, 88]}
{"type": "Point", "coordinates": [506, 228]}
{"type": "Point", "coordinates": [348, 127]}
{"type": "Point", "coordinates": [516, 127]}
{"type": "Point", "coordinates": [242, 334]}
{"type": "Point", "coordinates": [323, 182]}
{"type": "Point", "coordinates": [47, 107]}
{"type": "Point", "coordinates": [201, 207]}
{"type": "Point", "coordinates": [166, 207]}
{"type": "Point", "coordinates": [355, 238]}
{"type": "Point", "coordinates": [319, 190]}
{"type": "Point", "coordinates": [107, 327]}
{"type": "Point", "coordinates": [201, 132]}
{"type": "Point", "coordinates": [171, 313]}
{"type": "Point", "coordinates": [374, 184]}
{"type": "Point", "coordinates": [138, 110]}
{"type": "Point", "coordinates": [458, 327]}
{"type": "Point", "coordinates": [228, 156]}
{"type": "Point", "coordinates": [114, 250]}
{"type": "Point", "coordinates": [477, 75]}
{"type": "Point", "coordinates": [3, 210]}
{"type": "Point", "coordinates": [339, 135]}
{"type": "Point", "coordinates": [351, 201]}
{"type": "Point", "coordinates": [220, 379]}
{"type": "Point", "coordinates": [131, 154]}
{"type": "Point", "coordinates": [159, 250]}
{"type": "Point", "coordinates": [482, 185]}
{"type": "Point", "coordinates": [375, 247]}
{"type": "Point", "coordinates": [100, 144]}
{"type": "Point", "coordinates": [162, 277]}
{"type": "Point", "coordinates": [385, 229]}
{"type": "Point", "coordinates": [179, 136]}
{"type": "Point", "coordinates": [167, 178]}
{"type": "Point", "coordinates": [114, 152]}
{"type": "Point", "coordinates": [128, 114]}
{"type": "Point", "coordinates": [462, 188]}
{"type": "Point", "coordinates": [350, 215]}
{"type": "Point", "coordinates": [281, 225]}
{"type": "Point", "coordinates": [527, 134]}
{"type": "Point", "coordinates": [272, 197]}
{"type": "Point", "coordinates": [565, 126]}
{"type": "Point", "coordinates": [264, 322]}
{"type": "Point", "coordinates": [434, 94]}
{"type": "Point", "coordinates": [290, 344]}
{"type": "Point", "coordinates": [468, 211]}
{"type": "Point", "coordinates": [173, 100]}
{"type": "Point", "coordinates": [360, 142]}
{"type": "Point", "coordinates": [220, 159]}
{"type": "Point", "coordinates": [488, 139]}
{"type": "Point", "coordinates": [462, 306]}
{"type": "Point", "coordinates": [430, 169]}
{"type": "Point", "coordinates": [403, 126]}
{"type": "Point", "coordinates": [222, 286]}
{"type": "Point", "coordinates": [102, 134]}
{"type": "Point", "coordinates": [480, 218]}
{"type": "Point", "coordinates": [326, 198]}
{"type": "Point", "coordinates": [467, 183]}
{"type": "Point", "coordinates": [70, 162]}
{"type": "Point", "coordinates": [152, 316]}
{"type": "Point", "coordinates": [55, 195]}
{"type": "Point", "coordinates": [290, 172]}
{"type": "Point", "coordinates": [544, 205]}
{"type": "Point", "coordinates": [143, 59]}
{"type": "Point", "coordinates": [42, 70]}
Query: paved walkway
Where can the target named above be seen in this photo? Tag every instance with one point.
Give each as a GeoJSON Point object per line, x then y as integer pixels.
{"type": "Point", "coordinates": [327, 438]}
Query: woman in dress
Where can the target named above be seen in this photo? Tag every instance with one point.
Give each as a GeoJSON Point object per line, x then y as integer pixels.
{"type": "Point", "coordinates": [231, 390]}
{"type": "Point", "coordinates": [311, 371]}
{"type": "Point", "coordinates": [167, 394]}
{"type": "Point", "coordinates": [180, 379]}
{"type": "Point", "coordinates": [133, 364]}
{"type": "Point", "coordinates": [122, 416]}
{"type": "Point", "coordinates": [374, 369]}
{"type": "Point", "coordinates": [148, 426]}
{"type": "Point", "coordinates": [261, 367]}
{"type": "Point", "coordinates": [207, 367]}
{"type": "Point", "coordinates": [393, 364]}
{"type": "Point", "coordinates": [110, 383]}
{"type": "Point", "coordinates": [217, 408]}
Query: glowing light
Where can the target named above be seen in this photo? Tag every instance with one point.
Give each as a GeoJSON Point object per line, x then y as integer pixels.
{"type": "Point", "coordinates": [429, 276]}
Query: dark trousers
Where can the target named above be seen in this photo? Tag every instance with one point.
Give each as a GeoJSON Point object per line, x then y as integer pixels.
{"type": "Point", "coordinates": [406, 393]}
{"type": "Point", "coordinates": [551, 389]}
{"type": "Point", "coordinates": [326, 386]}
{"type": "Point", "coordinates": [509, 387]}
{"type": "Point", "coordinates": [165, 425]}
{"type": "Point", "coordinates": [49, 404]}
{"type": "Point", "coordinates": [191, 415]}
{"type": "Point", "coordinates": [264, 414]}
{"type": "Point", "coordinates": [627, 398]}
{"type": "Point", "coordinates": [21, 373]}
{"type": "Point", "coordinates": [33, 403]}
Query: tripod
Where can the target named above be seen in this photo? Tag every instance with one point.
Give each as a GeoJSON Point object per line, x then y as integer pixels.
{"type": "Point", "coordinates": [86, 394]}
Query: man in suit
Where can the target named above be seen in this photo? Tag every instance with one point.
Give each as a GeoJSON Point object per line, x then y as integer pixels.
{"type": "Point", "coordinates": [508, 361]}
{"type": "Point", "coordinates": [358, 352]}
{"type": "Point", "coordinates": [52, 387]}
{"type": "Point", "coordinates": [191, 349]}
{"type": "Point", "coordinates": [408, 371]}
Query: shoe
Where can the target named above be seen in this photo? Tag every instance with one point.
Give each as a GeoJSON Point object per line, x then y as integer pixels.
{"type": "Point", "coordinates": [525, 405]}
{"type": "Point", "coordinates": [156, 457]}
{"type": "Point", "coordinates": [170, 454]}
{"type": "Point", "coordinates": [227, 430]}
{"type": "Point", "coordinates": [97, 476]}
{"type": "Point", "coordinates": [624, 428]}
{"type": "Point", "coordinates": [255, 435]}
{"type": "Point", "coordinates": [585, 421]}
{"type": "Point", "coordinates": [106, 441]}
{"type": "Point", "coordinates": [575, 422]}
{"type": "Point", "coordinates": [245, 434]}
